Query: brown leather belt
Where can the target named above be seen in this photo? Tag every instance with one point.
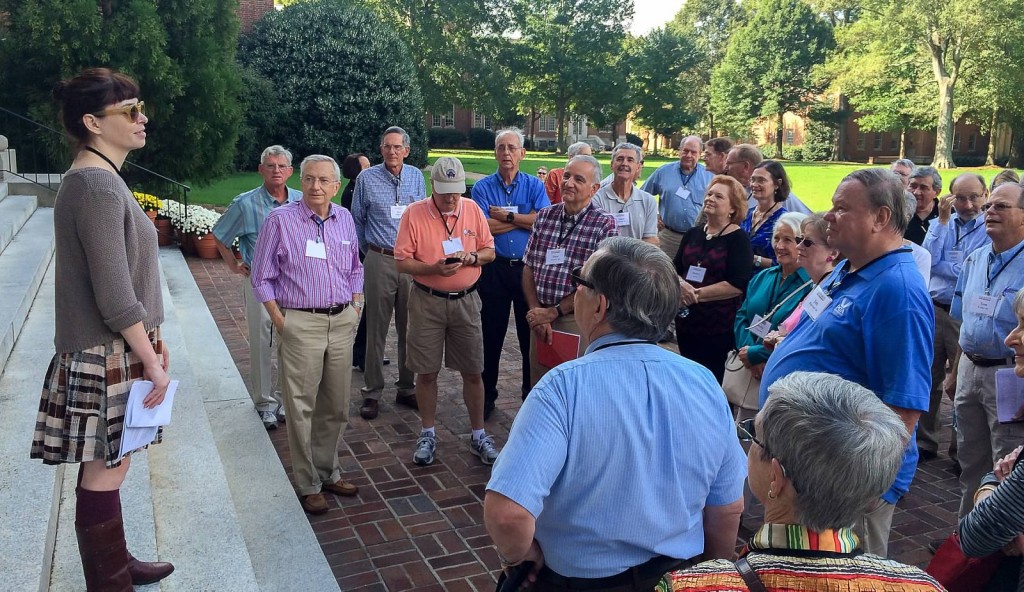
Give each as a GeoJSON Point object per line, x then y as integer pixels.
{"type": "Point", "coordinates": [329, 311]}
{"type": "Point", "coordinates": [944, 307]}
{"type": "Point", "coordinates": [381, 250]}
{"type": "Point", "coordinates": [448, 295]}
{"type": "Point", "coordinates": [988, 362]}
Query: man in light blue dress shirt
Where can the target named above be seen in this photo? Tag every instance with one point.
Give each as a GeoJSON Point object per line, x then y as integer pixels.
{"type": "Point", "coordinates": [983, 301]}
{"type": "Point", "coordinates": [958, 232]}
{"type": "Point", "coordinates": [680, 187]}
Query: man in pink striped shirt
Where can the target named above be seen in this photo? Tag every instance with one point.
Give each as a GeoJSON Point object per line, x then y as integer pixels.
{"type": "Point", "coordinates": [307, 273]}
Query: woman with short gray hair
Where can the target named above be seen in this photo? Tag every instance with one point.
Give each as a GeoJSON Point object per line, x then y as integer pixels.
{"type": "Point", "coordinates": [822, 450]}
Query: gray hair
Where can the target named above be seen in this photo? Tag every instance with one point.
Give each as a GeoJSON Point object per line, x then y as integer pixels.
{"type": "Point", "coordinates": [597, 174]}
{"type": "Point", "coordinates": [816, 221]}
{"type": "Point", "coordinates": [927, 171]}
{"type": "Point", "coordinates": [640, 283]}
{"type": "Point", "coordinates": [885, 190]}
{"type": "Point", "coordinates": [974, 176]}
{"type": "Point", "coordinates": [276, 150]}
{"type": "Point", "coordinates": [574, 149]}
{"type": "Point", "coordinates": [518, 133]}
{"type": "Point", "coordinates": [1018, 303]}
{"type": "Point", "coordinates": [628, 146]}
{"type": "Point", "coordinates": [840, 445]}
{"type": "Point", "coordinates": [320, 158]}
{"type": "Point", "coordinates": [700, 143]}
{"type": "Point", "coordinates": [396, 130]}
{"type": "Point", "coordinates": [906, 162]}
{"type": "Point", "coordinates": [911, 201]}
{"type": "Point", "coordinates": [791, 220]}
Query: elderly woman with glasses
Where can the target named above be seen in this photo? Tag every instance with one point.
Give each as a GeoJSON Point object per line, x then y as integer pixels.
{"type": "Point", "coordinates": [823, 449]}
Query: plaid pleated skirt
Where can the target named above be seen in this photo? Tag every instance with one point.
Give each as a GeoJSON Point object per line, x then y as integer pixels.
{"type": "Point", "coordinates": [82, 406]}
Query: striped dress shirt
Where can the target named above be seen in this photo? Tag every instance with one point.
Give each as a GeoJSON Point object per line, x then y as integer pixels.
{"type": "Point", "coordinates": [282, 271]}
{"type": "Point", "coordinates": [245, 216]}
{"type": "Point", "coordinates": [376, 191]}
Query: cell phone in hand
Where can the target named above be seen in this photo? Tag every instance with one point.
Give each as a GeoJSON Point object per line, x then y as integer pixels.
{"type": "Point", "coordinates": [516, 576]}
{"type": "Point", "coordinates": [450, 260]}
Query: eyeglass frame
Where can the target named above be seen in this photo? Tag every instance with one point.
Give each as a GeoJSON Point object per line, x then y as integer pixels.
{"type": "Point", "coordinates": [999, 206]}
{"type": "Point", "coordinates": [576, 278]}
{"type": "Point", "coordinates": [138, 109]}
{"type": "Point", "coordinates": [803, 241]}
{"type": "Point", "coordinates": [749, 434]}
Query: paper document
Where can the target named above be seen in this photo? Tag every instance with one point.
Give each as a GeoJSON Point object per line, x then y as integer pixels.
{"type": "Point", "coordinates": [564, 347]}
{"type": "Point", "coordinates": [141, 424]}
{"type": "Point", "coordinates": [1009, 396]}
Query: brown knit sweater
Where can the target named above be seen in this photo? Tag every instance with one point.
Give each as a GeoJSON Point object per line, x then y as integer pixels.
{"type": "Point", "coordinates": [107, 271]}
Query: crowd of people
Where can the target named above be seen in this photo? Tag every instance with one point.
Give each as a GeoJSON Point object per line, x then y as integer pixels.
{"type": "Point", "coordinates": [624, 468]}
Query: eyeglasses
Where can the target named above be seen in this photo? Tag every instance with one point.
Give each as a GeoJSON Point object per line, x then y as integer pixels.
{"type": "Point", "coordinates": [276, 167]}
{"type": "Point", "coordinates": [746, 432]}
{"type": "Point", "coordinates": [311, 181]}
{"type": "Point", "coordinates": [393, 147]}
{"type": "Point", "coordinates": [998, 206]}
{"type": "Point", "coordinates": [966, 198]}
{"type": "Point", "coordinates": [576, 277]}
{"type": "Point", "coordinates": [133, 111]}
{"type": "Point", "coordinates": [804, 242]}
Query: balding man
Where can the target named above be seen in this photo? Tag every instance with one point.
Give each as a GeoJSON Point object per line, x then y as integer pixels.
{"type": "Point", "coordinates": [680, 187]}
{"type": "Point", "coordinates": [635, 210]}
{"type": "Point", "coordinates": [553, 182]}
{"type": "Point", "coordinates": [903, 168]}
{"type": "Point", "coordinates": [716, 150]}
{"type": "Point", "coordinates": [740, 165]}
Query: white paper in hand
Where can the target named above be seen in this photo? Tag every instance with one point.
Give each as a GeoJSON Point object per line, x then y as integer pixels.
{"type": "Point", "coordinates": [141, 424]}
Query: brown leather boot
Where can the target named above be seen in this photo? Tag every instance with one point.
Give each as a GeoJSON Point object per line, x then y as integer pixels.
{"type": "Point", "coordinates": [104, 557]}
{"type": "Point", "coordinates": [147, 572]}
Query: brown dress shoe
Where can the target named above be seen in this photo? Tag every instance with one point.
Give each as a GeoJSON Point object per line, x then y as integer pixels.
{"type": "Point", "coordinates": [342, 487]}
{"type": "Point", "coordinates": [370, 409]}
{"type": "Point", "coordinates": [314, 504]}
{"type": "Point", "coordinates": [147, 572]}
{"type": "Point", "coordinates": [408, 399]}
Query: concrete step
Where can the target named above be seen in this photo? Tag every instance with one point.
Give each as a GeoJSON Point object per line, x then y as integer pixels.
{"type": "Point", "coordinates": [22, 267]}
{"type": "Point", "coordinates": [3, 187]}
{"type": "Point", "coordinates": [14, 212]}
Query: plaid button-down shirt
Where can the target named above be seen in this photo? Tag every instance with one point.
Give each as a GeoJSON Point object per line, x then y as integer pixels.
{"type": "Point", "coordinates": [592, 225]}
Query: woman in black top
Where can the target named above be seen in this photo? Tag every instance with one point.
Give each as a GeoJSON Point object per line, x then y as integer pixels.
{"type": "Point", "coordinates": [713, 264]}
{"type": "Point", "coordinates": [350, 169]}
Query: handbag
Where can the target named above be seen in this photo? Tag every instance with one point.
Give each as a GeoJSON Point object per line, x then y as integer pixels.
{"type": "Point", "coordinates": [739, 384]}
{"type": "Point", "coordinates": [958, 572]}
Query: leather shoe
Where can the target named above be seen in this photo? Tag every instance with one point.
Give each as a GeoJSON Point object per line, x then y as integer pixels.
{"type": "Point", "coordinates": [407, 399]}
{"type": "Point", "coordinates": [370, 409]}
{"type": "Point", "coordinates": [314, 504]}
{"type": "Point", "coordinates": [341, 487]}
{"type": "Point", "coordinates": [147, 572]}
{"type": "Point", "coordinates": [927, 455]}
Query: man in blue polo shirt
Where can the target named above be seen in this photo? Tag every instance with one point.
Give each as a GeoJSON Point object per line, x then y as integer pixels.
{"type": "Point", "coordinates": [510, 201]}
{"type": "Point", "coordinates": [680, 187]}
{"type": "Point", "coordinates": [870, 321]}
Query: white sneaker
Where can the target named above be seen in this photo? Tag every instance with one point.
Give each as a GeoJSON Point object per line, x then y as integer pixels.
{"type": "Point", "coordinates": [269, 419]}
{"type": "Point", "coordinates": [485, 449]}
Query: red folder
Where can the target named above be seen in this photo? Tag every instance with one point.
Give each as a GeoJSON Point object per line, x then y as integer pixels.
{"type": "Point", "coordinates": [564, 347]}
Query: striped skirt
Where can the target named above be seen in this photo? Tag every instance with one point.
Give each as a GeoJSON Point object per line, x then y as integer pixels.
{"type": "Point", "coordinates": [82, 406]}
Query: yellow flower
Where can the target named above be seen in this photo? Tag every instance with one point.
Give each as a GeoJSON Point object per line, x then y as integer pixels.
{"type": "Point", "coordinates": [149, 203]}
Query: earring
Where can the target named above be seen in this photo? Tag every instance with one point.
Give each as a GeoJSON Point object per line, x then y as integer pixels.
{"type": "Point", "coordinates": [828, 259]}
{"type": "Point", "coordinates": [772, 494]}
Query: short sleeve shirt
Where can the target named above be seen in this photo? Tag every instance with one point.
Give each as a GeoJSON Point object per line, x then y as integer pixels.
{"type": "Point", "coordinates": [423, 229]}
{"type": "Point", "coordinates": [245, 217]}
{"type": "Point", "coordinates": [681, 195]}
{"type": "Point", "coordinates": [636, 217]}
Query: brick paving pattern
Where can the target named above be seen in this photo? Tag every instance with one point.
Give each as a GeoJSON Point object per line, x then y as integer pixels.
{"type": "Point", "coordinates": [421, 528]}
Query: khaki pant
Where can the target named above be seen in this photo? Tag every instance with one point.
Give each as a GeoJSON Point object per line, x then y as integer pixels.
{"type": "Point", "coordinates": [669, 241]}
{"type": "Point", "coordinates": [947, 349]}
{"type": "Point", "coordinates": [981, 439]}
{"type": "Point", "coordinates": [566, 324]}
{"type": "Point", "coordinates": [387, 292]}
{"type": "Point", "coordinates": [264, 392]}
{"type": "Point", "coordinates": [316, 372]}
{"type": "Point", "coordinates": [873, 528]}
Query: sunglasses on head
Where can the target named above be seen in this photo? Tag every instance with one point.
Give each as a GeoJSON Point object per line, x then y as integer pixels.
{"type": "Point", "coordinates": [133, 111]}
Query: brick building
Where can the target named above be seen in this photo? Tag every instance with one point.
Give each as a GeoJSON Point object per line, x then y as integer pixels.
{"type": "Point", "coordinates": [250, 11]}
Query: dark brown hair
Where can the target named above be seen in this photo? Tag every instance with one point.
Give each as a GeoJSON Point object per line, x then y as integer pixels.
{"type": "Point", "coordinates": [92, 91]}
{"type": "Point", "coordinates": [350, 167]}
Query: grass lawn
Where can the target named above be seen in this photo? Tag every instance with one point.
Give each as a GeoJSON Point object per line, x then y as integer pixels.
{"type": "Point", "coordinates": [814, 182]}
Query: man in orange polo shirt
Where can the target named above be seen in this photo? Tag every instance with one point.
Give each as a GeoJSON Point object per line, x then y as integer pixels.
{"type": "Point", "coordinates": [442, 242]}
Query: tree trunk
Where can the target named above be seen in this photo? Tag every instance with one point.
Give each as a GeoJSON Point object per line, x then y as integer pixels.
{"type": "Point", "coordinates": [990, 157]}
{"type": "Point", "coordinates": [778, 137]}
{"type": "Point", "coordinates": [943, 158]}
{"type": "Point", "coordinates": [561, 128]}
{"type": "Point", "coordinates": [903, 143]}
{"type": "Point", "coordinates": [533, 126]}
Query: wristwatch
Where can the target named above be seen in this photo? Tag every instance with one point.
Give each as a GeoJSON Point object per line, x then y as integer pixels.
{"type": "Point", "coordinates": [510, 217]}
{"type": "Point", "coordinates": [558, 309]}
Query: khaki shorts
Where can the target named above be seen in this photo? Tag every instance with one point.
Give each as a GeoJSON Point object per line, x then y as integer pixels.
{"type": "Point", "coordinates": [438, 326]}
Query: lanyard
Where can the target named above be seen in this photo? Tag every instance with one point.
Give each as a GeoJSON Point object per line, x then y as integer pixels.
{"type": "Point", "coordinates": [320, 236]}
{"type": "Point", "coordinates": [445, 222]}
{"type": "Point", "coordinates": [686, 178]}
{"type": "Point", "coordinates": [508, 189]}
{"type": "Point", "coordinates": [564, 234]}
{"type": "Point", "coordinates": [960, 238]}
{"type": "Point", "coordinates": [843, 274]}
{"type": "Point", "coordinates": [617, 343]}
{"type": "Point", "coordinates": [992, 278]}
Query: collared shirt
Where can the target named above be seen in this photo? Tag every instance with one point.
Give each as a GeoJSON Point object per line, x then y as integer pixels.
{"type": "Point", "coordinates": [284, 271]}
{"type": "Point", "coordinates": [579, 235]}
{"type": "Point", "coordinates": [681, 195]}
{"type": "Point", "coordinates": [526, 194]}
{"type": "Point", "coordinates": [628, 467]}
{"type": "Point", "coordinates": [761, 237]}
{"type": "Point", "coordinates": [764, 292]}
{"type": "Point", "coordinates": [984, 274]}
{"type": "Point", "coordinates": [792, 203]}
{"type": "Point", "coordinates": [918, 228]}
{"type": "Point", "coordinates": [245, 216]}
{"type": "Point", "coordinates": [423, 231]}
{"type": "Point", "coordinates": [553, 185]}
{"type": "Point", "coordinates": [877, 331]}
{"type": "Point", "coordinates": [641, 208]}
{"type": "Point", "coordinates": [376, 192]}
{"type": "Point", "coordinates": [949, 245]}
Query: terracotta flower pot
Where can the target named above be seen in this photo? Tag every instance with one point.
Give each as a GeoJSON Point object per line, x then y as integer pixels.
{"type": "Point", "coordinates": [206, 246]}
{"type": "Point", "coordinates": [152, 214]}
{"type": "Point", "coordinates": [164, 232]}
{"type": "Point", "coordinates": [188, 243]}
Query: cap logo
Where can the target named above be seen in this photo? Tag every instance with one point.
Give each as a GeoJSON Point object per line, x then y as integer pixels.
{"type": "Point", "coordinates": [450, 173]}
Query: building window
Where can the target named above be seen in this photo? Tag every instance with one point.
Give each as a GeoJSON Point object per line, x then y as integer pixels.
{"type": "Point", "coordinates": [547, 123]}
{"type": "Point", "coordinates": [444, 119]}
{"type": "Point", "coordinates": [861, 139]}
{"type": "Point", "coordinates": [894, 142]}
{"type": "Point", "coordinates": [972, 143]}
{"type": "Point", "coordinates": [481, 120]}
{"type": "Point", "coordinates": [790, 134]}
{"type": "Point", "coordinates": [878, 141]}
{"type": "Point", "coordinates": [956, 140]}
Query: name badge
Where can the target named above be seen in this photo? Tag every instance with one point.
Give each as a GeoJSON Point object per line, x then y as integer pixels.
{"type": "Point", "coordinates": [554, 257]}
{"type": "Point", "coordinates": [816, 303]}
{"type": "Point", "coordinates": [316, 249]}
{"type": "Point", "coordinates": [683, 193]}
{"type": "Point", "coordinates": [760, 326]}
{"type": "Point", "coordinates": [983, 304]}
{"type": "Point", "coordinates": [397, 211]}
{"type": "Point", "coordinates": [513, 209]}
{"type": "Point", "coordinates": [622, 219]}
{"type": "Point", "coordinates": [956, 257]}
{"type": "Point", "coordinates": [696, 273]}
{"type": "Point", "coordinates": [452, 245]}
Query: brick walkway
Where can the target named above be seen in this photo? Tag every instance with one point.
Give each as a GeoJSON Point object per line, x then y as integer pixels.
{"type": "Point", "coordinates": [421, 528]}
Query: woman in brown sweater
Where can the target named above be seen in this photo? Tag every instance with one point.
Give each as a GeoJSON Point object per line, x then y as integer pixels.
{"type": "Point", "coordinates": [108, 313]}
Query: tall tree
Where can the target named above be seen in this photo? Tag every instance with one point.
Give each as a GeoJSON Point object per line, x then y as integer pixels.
{"type": "Point", "coordinates": [660, 93]}
{"type": "Point", "coordinates": [768, 65]}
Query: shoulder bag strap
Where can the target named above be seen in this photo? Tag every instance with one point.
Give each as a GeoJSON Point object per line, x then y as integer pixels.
{"type": "Point", "coordinates": [788, 296]}
{"type": "Point", "coordinates": [749, 576]}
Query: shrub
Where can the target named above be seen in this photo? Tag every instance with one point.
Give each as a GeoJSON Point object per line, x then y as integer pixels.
{"type": "Point", "coordinates": [481, 139]}
{"type": "Point", "coordinates": [793, 153]}
{"type": "Point", "coordinates": [819, 141]}
{"type": "Point", "coordinates": [445, 137]}
{"type": "Point", "coordinates": [337, 110]}
{"type": "Point", "coordinates": [261, 123]}
{"type": "Point", "coordinates": [634, 139]}
{"type": "Point", "coordinates": [969, 161]}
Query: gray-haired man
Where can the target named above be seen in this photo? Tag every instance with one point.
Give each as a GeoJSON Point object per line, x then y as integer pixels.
{"type": "Point", "coordinates": [553, 182]}
{"type": "Point", "coordinates": [635, 210]}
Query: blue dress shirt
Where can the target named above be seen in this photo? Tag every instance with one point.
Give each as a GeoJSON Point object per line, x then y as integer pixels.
{"type": "Point", "coordinates": [245, 217]}
{"type": "Point", "coordinates": [681, 196]}
{"type": "Point", "coordinates": [983, 335]}
{"type": "Point", "coordinates": [949, 245]}
{"type": "Point", "coordinates": [376, 191]}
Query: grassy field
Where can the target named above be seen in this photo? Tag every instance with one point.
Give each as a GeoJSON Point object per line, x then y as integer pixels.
{"type": "Point", "coordinates": [814, 182]}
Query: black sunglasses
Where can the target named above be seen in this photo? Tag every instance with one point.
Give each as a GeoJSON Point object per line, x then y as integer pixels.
{"type": "Point", "coordinates": [804, 242]}
{"type": "Point", "coordinates": [576, 277]}
{"type": "Point", "coordinates": [746, 432]}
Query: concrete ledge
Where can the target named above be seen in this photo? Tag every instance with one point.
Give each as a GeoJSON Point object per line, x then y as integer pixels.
{"type": "Point", "coordinates": [14, 212]}
{"type": "Point", "coordinates": [3, 187]}
{"type": "Point", "coordinates": [22, 267]}
{"type": "Point", "coordinates": [47, 196]}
